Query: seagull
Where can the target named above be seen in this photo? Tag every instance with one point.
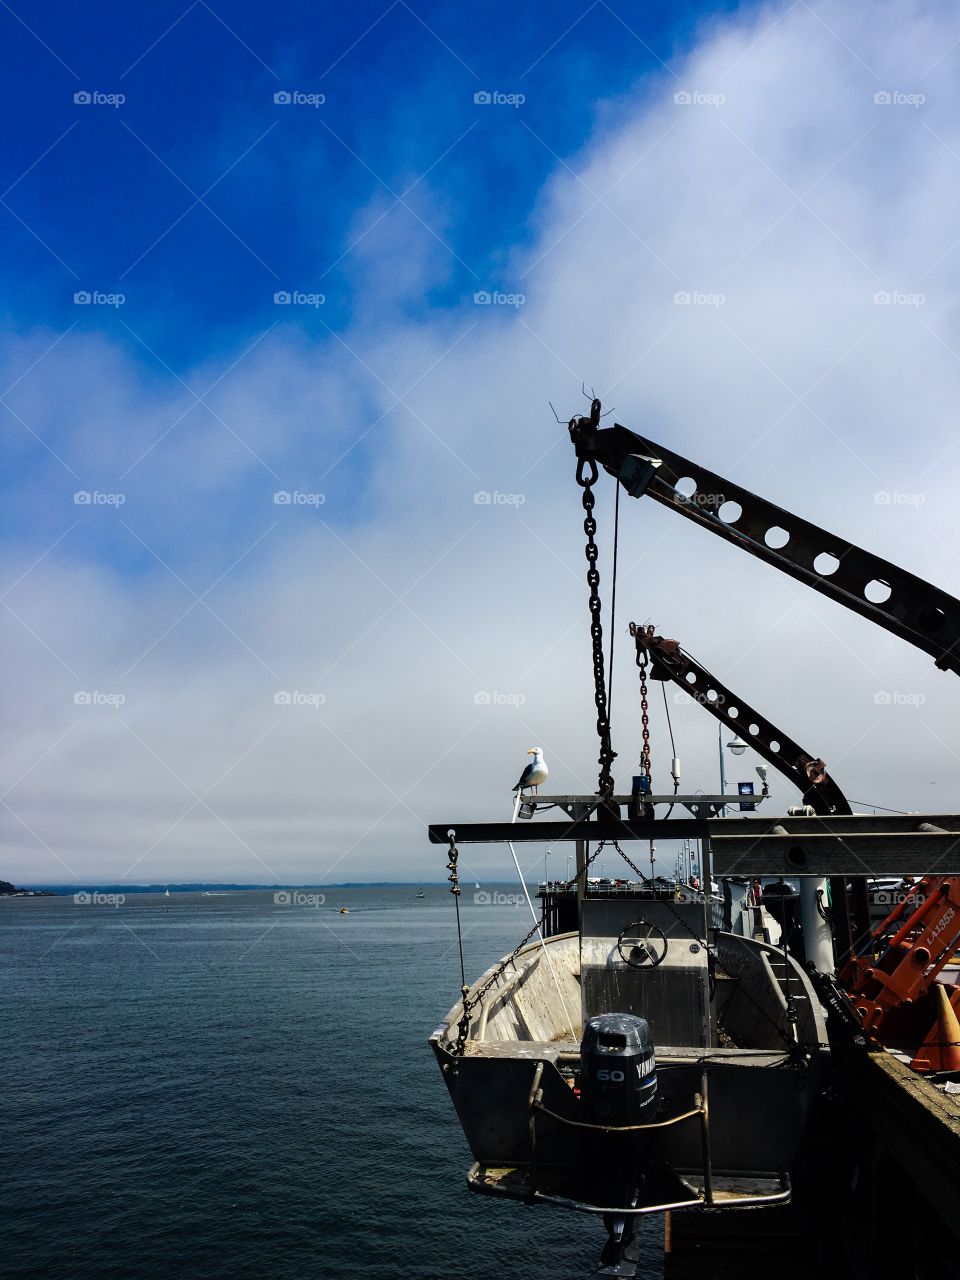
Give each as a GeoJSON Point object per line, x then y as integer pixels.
{"type": "Point", "coordinates": [536, 771]}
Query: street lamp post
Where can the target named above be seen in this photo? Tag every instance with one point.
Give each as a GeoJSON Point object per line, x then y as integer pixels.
{"type": "Point", "coordinates": [546, 855]}
{"type": "Point", "coordinates": [737, 748]}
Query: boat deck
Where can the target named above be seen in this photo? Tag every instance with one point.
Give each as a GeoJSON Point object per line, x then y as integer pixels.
{"type": "Point", "coordinates": [553, 1050]}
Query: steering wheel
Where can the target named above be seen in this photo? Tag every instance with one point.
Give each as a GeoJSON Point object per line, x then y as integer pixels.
{"type": "Point", "coordinates": [642, 945]}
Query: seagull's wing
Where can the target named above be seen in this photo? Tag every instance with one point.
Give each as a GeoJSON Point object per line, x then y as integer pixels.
{"type": "Point", "coordinates": [525, 776]}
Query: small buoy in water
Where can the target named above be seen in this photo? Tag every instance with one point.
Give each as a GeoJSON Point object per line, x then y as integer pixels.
{"type": "Point", "coordinates": [344, 911]}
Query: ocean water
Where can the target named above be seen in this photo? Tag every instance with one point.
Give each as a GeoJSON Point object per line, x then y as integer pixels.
{"type": "Point", "coordinates": [229, 1087]}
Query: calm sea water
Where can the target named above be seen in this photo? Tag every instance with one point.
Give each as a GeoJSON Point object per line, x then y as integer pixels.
{"type": "Point", "coordinates": [231, 1087]}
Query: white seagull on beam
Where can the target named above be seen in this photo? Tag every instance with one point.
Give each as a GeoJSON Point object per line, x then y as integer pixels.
{"type": "Point", "coordinates": [536, 771]}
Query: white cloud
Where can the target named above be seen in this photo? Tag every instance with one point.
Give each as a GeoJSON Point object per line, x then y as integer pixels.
{"type": "Point", "coordinates": [797, 199]}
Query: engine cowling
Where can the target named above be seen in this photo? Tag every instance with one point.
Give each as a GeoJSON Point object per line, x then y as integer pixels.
{"type": "Point", "coordinates": [618, 1070]}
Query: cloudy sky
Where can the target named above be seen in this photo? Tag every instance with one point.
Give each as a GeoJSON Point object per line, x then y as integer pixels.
{"type": "Point", "coordinates": [348, 257]}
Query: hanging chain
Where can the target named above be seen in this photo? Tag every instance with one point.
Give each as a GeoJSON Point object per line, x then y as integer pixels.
{"type": "Point", "coordinates": [644, 707]}
{"type": "Point", "coordinates": [469, 1005]}
{"type": "Point", "coordinates": [791, 1040]}
{"type": "Point", "coordinates": [463, 1026]}
{"type": "Point", "coordinates": [454, 878]}
{"type": "Point", "coordinates": [587, 474]}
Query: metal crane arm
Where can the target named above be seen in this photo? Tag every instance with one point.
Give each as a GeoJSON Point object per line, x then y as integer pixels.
{"type": "Point", "coordinates": [891, 597]}
{"type": "Point", "coordinates": [669, 662]}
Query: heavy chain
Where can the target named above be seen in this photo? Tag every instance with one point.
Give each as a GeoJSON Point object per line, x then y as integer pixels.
{"type": "Point", "coordinates": [469, 1005]}
{"type": "Point", "coordinates": [644, 712]}
{"type": "Point", "coordinates": [715, 959]}
{"type": "Point", "coordinates": [454, 878]}
{"type": "Point", "coordinates": [463, 1026]}
{"type": "Point", "coordinates": [586, 478]}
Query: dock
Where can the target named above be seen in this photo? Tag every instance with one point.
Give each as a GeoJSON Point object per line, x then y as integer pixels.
{"type": "Point", "coordinates": [878, 1193]}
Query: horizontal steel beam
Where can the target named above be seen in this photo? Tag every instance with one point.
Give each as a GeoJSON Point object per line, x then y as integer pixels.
{"type": "Point", "coordinates": [875, 854]}
{"type": "Point", "coordinates": [606, 828]}
{"type": "Point", "coordinates": [889, 824]}
{"type": "Point", "coordinates": [839, 845]}
{"type": "Point", "coordinates": [697, 797]}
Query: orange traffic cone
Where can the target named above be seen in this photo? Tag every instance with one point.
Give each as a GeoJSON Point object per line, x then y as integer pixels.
{"type": "Point", "coordinates": [940, 1051]}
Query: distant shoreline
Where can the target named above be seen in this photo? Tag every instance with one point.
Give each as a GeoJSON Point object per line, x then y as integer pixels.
{"type": "Point", "coordinates": [95, 886]}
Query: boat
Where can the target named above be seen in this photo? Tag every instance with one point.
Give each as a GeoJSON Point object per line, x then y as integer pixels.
{"type": "Point", "coordinates": [616, 1069]}
{"type": "Point", "coordinates": [648, 1047]}
{"type": "Point", "coordinates": [344, 911]}
{"type": "Point", "coordinates": [166, 893]}
{"type": "Point", "coordinates": [421, 894]}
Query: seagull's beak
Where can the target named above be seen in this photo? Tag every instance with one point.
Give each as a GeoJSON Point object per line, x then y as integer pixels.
{"type": "Point", "coordinates": [531, 752]}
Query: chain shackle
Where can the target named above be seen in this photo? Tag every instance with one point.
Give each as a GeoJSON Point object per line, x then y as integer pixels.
{"type": "Point", "coordinates": [454, 876]}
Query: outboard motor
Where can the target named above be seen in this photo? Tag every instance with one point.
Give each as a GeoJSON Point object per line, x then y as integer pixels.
{"type": "Point", "coordinates": [618, 1086]}
{"type": "Point", "coordinates": [618, 1070]}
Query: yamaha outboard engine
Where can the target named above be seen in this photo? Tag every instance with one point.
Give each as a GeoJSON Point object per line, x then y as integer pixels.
{"type": "Point", "coordinates": [618, 1080]}
{"type": "Point", "coordinates": [618, 1086]}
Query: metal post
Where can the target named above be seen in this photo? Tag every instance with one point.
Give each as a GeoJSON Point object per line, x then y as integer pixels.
{"type": "Point", "coordinates": [723, 776]}
{"type": "Point", "coordinates": [706, 875]}
{"type": "Point", "coordinates": [705, 1139]}
{"type": "Point", "coordinates": [576, 812]}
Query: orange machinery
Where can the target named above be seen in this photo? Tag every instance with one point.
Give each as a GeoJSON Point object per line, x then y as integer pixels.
{"type": "Point", "coordinates": [892, 983]}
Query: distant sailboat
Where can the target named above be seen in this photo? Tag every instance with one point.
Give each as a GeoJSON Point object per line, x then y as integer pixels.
{"type": "Point", "coordinates": [420, 893]}
{"type": "Point", "coordinates": [166, 893]}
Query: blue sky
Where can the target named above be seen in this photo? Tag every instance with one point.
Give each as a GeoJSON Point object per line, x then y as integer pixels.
{"type": "Point", "coordinates": [198, 198]}
{"type": "Point", "coordinates": [736, 224]}
{"type": "Point", "coordinates": [103, 197]}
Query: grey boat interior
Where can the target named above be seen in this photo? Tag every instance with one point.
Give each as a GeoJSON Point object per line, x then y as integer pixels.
{"type": "Point", "coordinates": [738, 1037]}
